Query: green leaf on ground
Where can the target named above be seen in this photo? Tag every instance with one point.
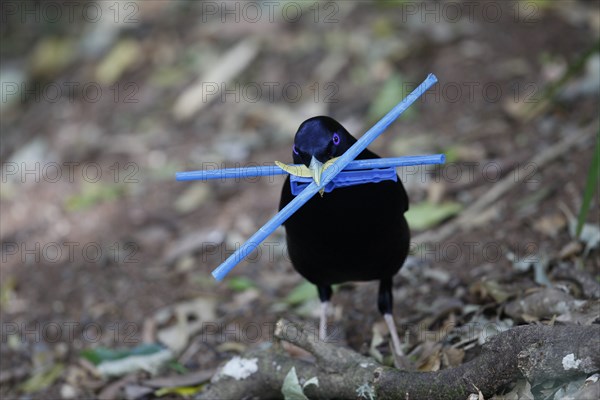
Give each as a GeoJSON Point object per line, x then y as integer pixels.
{"type": "Point", "coordinates": [291, 388]}
{"type": "Point", "coordinates": [92, 194]}
{"type": "Point", "coordinates": [425, 215]}
{"type": "Point", "coordinates": [393, 90]}
{"type": "Point", "coordinates": [42, 379]}
{"type": "Point", "coordinates": [101, 354]}
{"type": "Point", "coordinates": [51, 55]}
{"type": "Point", "coordinates": [178, 367]}
{"type": "Point", "coordinates": [240, 283]}
{"type": "Point", "coordinates": [303, 292]}
{"type": "Point", "coordinates": [121, 57]}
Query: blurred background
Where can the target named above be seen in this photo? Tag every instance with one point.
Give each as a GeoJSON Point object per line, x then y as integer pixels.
{"type": "Point", "coordinates": [102, 102]}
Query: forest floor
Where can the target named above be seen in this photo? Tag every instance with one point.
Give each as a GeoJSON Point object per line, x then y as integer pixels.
{"type": "Point", "coordinates": [114, 253]}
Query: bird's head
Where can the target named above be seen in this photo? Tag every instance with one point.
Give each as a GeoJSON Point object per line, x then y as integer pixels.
{"type": "Point", "coordinates": [318, 140]}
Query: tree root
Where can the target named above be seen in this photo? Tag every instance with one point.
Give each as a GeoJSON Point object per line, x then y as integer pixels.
{"type": "Point", "coordinates": [536, 352]}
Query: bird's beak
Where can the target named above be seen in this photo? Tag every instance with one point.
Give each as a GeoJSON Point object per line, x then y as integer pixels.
{"type": "Point", "coordinates": [316, 169]}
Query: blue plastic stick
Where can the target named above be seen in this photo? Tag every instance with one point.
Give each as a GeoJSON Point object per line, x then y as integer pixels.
{"type": "Point", "coordinates": [229, 173]}
{"type": "Point", "coordinates": [251, 172]}
{"type": "Point", "coordinates": [222, 270]}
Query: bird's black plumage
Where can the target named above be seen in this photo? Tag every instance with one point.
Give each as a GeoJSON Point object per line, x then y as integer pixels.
{"type": "Point", "coordinates": [355, 233]}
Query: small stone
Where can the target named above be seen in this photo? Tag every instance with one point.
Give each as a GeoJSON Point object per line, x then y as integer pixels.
{"type": "Point", "coordinates": [68, 392]}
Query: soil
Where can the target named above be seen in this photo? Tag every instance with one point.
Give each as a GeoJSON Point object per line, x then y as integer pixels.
{"type": "Point", "coordinates": [117, 236]}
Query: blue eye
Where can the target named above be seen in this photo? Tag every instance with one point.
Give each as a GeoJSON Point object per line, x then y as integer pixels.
{"type": "Point", "coordinates": [294, 150]}
{"type": "Point", "coordinates": [336, 139]}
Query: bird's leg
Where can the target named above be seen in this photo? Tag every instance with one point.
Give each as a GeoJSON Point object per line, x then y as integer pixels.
{"type": "Point", "coordinates": [323, 320]}
{"type": "Point", "coordinates": [389, 320]}
{"type": "Point", "coordinates": [386, 304]}
{"type": "Point", "coordinates": [324, 296]}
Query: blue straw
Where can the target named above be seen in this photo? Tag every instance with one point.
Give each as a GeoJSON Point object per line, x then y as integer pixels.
{"type": "Point", "coordinates": [222, 270]}
{"type": "Point", "coordinates": [250, 172]}
{"type": "Point", "coordinates": [229, 173]}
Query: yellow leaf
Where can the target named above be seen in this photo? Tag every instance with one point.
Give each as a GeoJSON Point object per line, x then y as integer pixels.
{"type": "Point", "coordinates": [185, 391]}
{"type": "Point", "coordinates": [295, 170]}
{"type": "Point", "coordinates": [122, 56]}
{"type": "Point", "coordinates": [43, 379]}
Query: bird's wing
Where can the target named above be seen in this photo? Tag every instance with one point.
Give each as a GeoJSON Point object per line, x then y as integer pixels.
{"type": "Point", "coordinates": [367, 154]}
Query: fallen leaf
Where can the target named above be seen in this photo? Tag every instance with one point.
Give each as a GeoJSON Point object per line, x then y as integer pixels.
{"type": "Point", "coordinates": [101, 354]}
{"type": "Point", "coordinates": [191, 379]}
{"type": "Point", "coordinates": [303, 292]}
{"type": "Point", "coordinates": [185, 391]}
{"type": "Point", "coordinates": [579, 389]}
{"type": "Point", "coordinates": [177, 367]}
{"type": "Point", "coordinates": [550, 225]}
{"type": "Point", "coordinates": [110, 363]}
{"type": "Point", "coordinates": [151, 363]}
{"type": "Point", "coordinates": [432, 362]}
{"type": "Point", "coordinates": [189, 319]}
{"type": "Point", "coordinates": [312, 381]}
{"type": "Point", "coordinates": [452, 357]}
{"type": "Point", "coordinates": [425, 215]}
{"type": "Point", "coordinates": [42, 379]}
{"type": "Point", "coordinates": [112, 391]}
{"type": "Point", "coordinates": [500, 293]}
{"type": "Point", "coordinates": [573, 248]}
{"type": "Point", "coordinates": [393, 89]}
{"type": "Point", "coordinates": [587, 314]}
{"type": "Point", "coordinates": [544, 303]}
{"type": "Point", "coordinates": [590, 235]}
{"type": "Point", "coordinates": [134, 392]}
{"type": "Point", "coordinates": [240, 283]}
{"type": "Point", "coordinates": [540, 265]}
{"type": "Point", "coordinates": [291, 388]}
{"type": "Point", "coordinates": [490, 330]}
{"type": "Point", "coordinates": [92, 194]}
{"type": "Point", "coordinates": [231, 64]}
{"type": "Point", "coordinates": [51, 55]}
{"type": "Point", "coordinates": [121, 57]}
{"type": "Point", "coordinates": [236, 347]}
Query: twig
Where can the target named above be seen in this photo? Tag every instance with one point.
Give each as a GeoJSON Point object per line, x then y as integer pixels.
{"type": "Point", "coordinates": [464, 220]}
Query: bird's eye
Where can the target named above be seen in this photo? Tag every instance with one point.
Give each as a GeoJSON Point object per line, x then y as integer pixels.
{"type": "Point", "coordinates": [294, 150]}
{"type": "Point", "coordinates": [336, 139]}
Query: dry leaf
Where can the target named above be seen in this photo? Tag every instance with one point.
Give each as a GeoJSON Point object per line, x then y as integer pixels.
{"type": "Point", "coordinates": [433, 362]}
{"type": "Point", "coordinates": [231, 64]}
{"type": "Point", "coordinates": [452, 357]}
{"type": "Point", "coordinates": [550, 225]}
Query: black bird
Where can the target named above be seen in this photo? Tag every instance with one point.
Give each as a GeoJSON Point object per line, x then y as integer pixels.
{"type": "Point", "coordinates": [355, 233]}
